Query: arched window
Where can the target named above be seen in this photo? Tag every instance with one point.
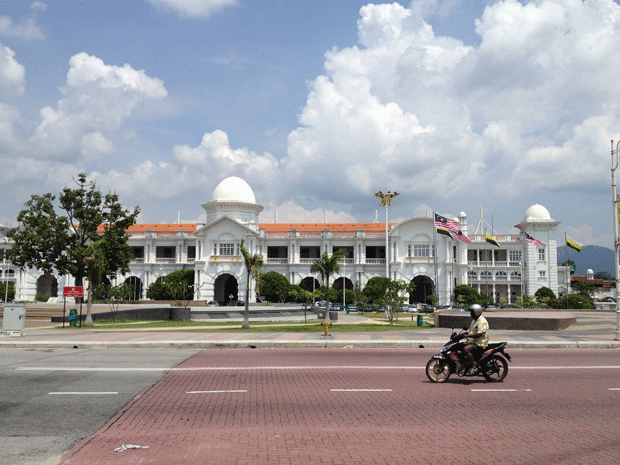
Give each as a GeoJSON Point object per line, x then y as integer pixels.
{"type": "Point", "coordinates": [515, 276]}
{"type": "Point", "coordinates": [501, 276]}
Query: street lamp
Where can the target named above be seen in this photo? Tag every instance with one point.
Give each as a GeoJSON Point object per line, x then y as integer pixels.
{"type": "Point", "coordinates": [615, 201]}
{"type": "Point", "coordinates": [386, 199]}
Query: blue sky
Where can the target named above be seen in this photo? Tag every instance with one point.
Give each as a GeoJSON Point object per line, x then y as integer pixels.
{"type": "Point", "coordinates": [456, 104]}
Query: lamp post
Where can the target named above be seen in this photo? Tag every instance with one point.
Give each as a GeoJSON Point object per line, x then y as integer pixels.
{"type": "Point", "coordinates": [615, 201]}
{"type": "Point", "coordinates": [386, 200]}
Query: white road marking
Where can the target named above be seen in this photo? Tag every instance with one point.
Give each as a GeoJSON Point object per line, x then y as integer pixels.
{"type": "Point", "coordinates": [361, 390]}
{"type": "Point", "coordinates": [75, 393]}
{"type": "Point", "coordinates": [614, 389]}
{"type": "Point", "coordinates": [215, 392]}
{"type": "Point", "coordinates": [500, 390]}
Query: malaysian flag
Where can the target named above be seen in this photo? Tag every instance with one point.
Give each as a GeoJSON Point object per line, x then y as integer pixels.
{"type": "Point", "coordinates": [443, 222]}
{"type": "Point", "coordinates": [529, 239]}
{"type": "Point", "coordinates": [459, 236]}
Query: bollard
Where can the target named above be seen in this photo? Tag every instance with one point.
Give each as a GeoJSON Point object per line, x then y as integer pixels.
{"type": "Point", "coordinates": [420, 320]}
{"type": "Point", "coordinates": [327, 325]}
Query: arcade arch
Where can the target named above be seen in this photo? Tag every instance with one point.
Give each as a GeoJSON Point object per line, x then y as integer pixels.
{"type": "Point", "coordinates": [225, 286]}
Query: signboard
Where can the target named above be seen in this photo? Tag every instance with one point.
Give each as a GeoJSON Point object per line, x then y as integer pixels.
{"type": "Point", "coordinates": [73, 291]}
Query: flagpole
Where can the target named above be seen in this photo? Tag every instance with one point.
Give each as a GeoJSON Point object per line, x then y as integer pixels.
{"type": "Point", "coordinates": [435, 259]}
{"type": "Point", "coordinates": [567, 259]}
{"type": "Point", "coordinates": [615, 200]}
{"type": "Point", "coordinates": [486, 266]}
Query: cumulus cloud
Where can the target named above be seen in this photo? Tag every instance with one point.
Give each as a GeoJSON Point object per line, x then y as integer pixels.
{"type": "Point", "coordinates": [193, 8]}
{"type": "Point", "coordinates": [532, 105]}
{"type": "Point", "coordinates": [12, 74]}
{"type": "Point", "coordinates": [97, 99]}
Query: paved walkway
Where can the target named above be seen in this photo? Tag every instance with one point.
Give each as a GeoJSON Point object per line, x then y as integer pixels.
{"type": "Point", "coordinates": [592, 330]}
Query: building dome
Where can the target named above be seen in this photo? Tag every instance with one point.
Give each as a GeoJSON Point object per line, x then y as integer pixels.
{"type": "Point", "coordinates": [537, 212]}
{"type": "Point", "coordinates": [233, 189]}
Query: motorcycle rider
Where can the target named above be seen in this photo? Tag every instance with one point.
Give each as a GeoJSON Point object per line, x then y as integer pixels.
{"type": "Point", "coordinates": [477, 336]}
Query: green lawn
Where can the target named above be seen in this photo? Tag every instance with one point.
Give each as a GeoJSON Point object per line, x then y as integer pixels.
{"type": "Point", "coordinates": [261, 326]}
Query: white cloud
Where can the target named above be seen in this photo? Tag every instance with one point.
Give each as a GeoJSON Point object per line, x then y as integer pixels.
{"type": "Point", "coordinates": [27, 30]}
{"type": "Point", "coordinates": [12, 74]}
{"type": "Point", "coordinates": [193, 8]}
{"type": "Point", "coordinates": [533, 105]}
{"type": "Point", "coordinates": [95, 144]}
{"type": "Point", "coordinates": [290, 212]}
{"type": "Point", "coordinates": [97, 99]}
{"type": "Point", "coordinates": [214, 155]}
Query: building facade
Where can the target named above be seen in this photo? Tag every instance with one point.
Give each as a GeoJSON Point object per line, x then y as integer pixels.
{"type": "Point", "coordinates": [435, 263]}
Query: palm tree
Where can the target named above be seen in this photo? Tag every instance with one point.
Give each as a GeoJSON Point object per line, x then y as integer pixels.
{"type": "Point", "coordinates": [327, 266]}
{"type": "Point", "coordinates": [252, 264]}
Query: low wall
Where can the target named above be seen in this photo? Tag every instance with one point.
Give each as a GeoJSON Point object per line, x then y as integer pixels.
{"type": "Point", "coordinates": [163, 313]}
{"type": "Point", "coordinates": [523, 322]}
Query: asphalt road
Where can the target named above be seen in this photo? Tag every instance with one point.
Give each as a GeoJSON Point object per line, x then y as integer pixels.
{"type": "Point", "coordinates": [40, 418]}
{"type": "Point", "coordinates": [336, 406]}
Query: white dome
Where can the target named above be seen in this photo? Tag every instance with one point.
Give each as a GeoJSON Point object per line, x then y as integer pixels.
{"type": "Point", "coordinates": [233, 189]}
{"type": "Point", "coordinates": [537, 212]}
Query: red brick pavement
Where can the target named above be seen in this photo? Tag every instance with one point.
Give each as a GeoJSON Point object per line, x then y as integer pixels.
{"type": "Point", "coordinates": [292, 416]}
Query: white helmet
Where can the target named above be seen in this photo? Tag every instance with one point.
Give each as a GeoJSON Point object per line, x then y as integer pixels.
{"type": "Point", "coordinates": [476, 311]}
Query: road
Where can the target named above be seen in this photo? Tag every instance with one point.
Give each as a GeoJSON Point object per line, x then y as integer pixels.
{"type": "Point", "coordinates": [317, 406]}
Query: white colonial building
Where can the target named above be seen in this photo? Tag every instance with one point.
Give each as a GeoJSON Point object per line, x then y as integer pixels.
{"type": "Point", "coordinates": [435, 263]}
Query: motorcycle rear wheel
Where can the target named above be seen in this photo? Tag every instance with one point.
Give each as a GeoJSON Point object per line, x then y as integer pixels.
{"type": "Point", "coordinates": [497, 369]}
{"type": "Point", "coordinates": [438, 371]}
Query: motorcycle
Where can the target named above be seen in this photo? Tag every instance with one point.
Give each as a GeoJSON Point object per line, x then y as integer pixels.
{"type": "Point", "coordinates": [452, 359]}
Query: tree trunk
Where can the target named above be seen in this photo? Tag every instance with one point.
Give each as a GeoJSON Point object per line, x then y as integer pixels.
{"type": "Point", "coordinates": [246, 315]}
{"type": "Point", "coordinates": [327, 320]}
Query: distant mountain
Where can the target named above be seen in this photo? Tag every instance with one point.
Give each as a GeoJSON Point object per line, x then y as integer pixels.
{"type": "Point", "coordinates": [590, 257]}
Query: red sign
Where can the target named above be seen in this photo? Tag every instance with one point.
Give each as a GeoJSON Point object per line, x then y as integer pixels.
{"type": "Point", "coordinates": [73, 291]}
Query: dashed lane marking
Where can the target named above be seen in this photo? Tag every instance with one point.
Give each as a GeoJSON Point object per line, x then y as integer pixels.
{"type": "Point", "coordinates": [361, 390]}
{"type": "Point", "coordinates": [77, 393]}
{"type": "Point", "coordinates": [500, 390]}
{"type": "Point", "coordinates": [217, 392]}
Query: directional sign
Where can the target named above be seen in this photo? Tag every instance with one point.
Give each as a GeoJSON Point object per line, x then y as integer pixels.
{"type": "Point", "coordinates": [73, 291]}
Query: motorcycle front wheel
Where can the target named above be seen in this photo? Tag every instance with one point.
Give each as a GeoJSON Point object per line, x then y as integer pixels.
{"type": "Point", "coordinates": [497, 369]}
{"type": "Point", "coordinates": [438, 371]}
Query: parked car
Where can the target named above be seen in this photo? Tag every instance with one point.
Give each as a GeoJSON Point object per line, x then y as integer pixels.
{"type": "Point", "coordinates": [444, 307]}
{"type": "Point", "coordinates": [235, 303]}
{"type": "Point", "coordinates": [336, 307]}
{"type": "Point", "coordinates": [492, 306]}
{"type": "Point", "coordinates": [509, 306]}
{"type": "Point", "coordinates": [212, 303]}
{"type": "Point", "coordinates": [426, 308]}
{"type": "Point", "coordinates": [351, 308]}
{"type": "Point", "coordinates": [320, 304]}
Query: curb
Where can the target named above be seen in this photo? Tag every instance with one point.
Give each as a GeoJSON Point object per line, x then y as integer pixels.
{"type": "Point", "coordinates": [331, 344]}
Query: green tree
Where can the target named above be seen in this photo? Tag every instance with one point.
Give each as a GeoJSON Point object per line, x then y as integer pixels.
{"type": "Point", "coordinates": [116, 295]}
{"type": "Point", "coordinates": [7, 292]}
{"type": "Point", "coordinates": [274, 285]}
{"type": "Point", "coordinates": [396, 292]}
{"type": "Point", "coordinates": [375, 289]}
{"type": "Point", "coordinates": [570, 263]}
{"type": "Point", "coordinates": [93, 228]}
{"type": "Point", "coordinates": [178, 286]}
{"type": "Point", "coordinates": [326, 266]}
{"type": "Point", "coordinates": [604, 275]}
{"type": "Point", "coordinates": [252, 263]}
{"type": "Point", "coordinates": [466, 295]}
{"type": "Point", "coordinates": [575, 301]}
{"type": "Point", "coordinates": [583, 288]}
{"type": "Point", "coordinates": [544, 295]}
